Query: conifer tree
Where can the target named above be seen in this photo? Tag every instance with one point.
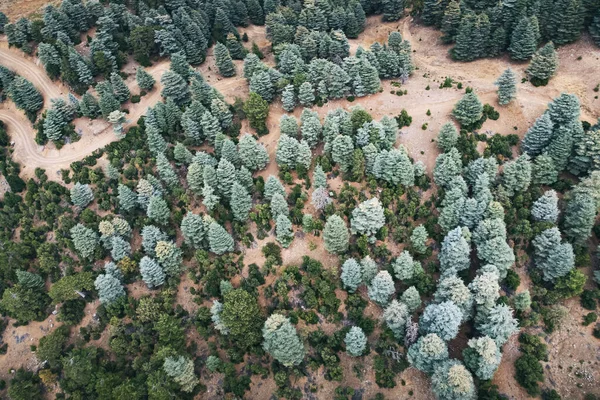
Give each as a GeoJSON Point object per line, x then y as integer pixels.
{"type": "Point", "coordinates": [405, 267]}
{"type": "Point", "coordinates": [523, 42]}
{"type": "Point", "coordinates": [356, 341]}
{"type": "Point", "coordinates": [455, 251]}
{"type": "Point", "coordinates": [144, 80]}
{"type": "Point", "coordinates": [169, 256]}
{"type": "Point", "coordinates": [507, 87]}
{"type": "Point", "coordinates": [418, 239]}
{"type": "Point", "coordinates": [158, 210]}
{"type": "Point", "coordinates": [468, 111]}
{"type": "Point", "coordinates": [447, 167]}
{"type": "Point", "coordinates": [252, 153]}
{"type": "Point", "coordinates": [88, 106]}
{"type": "Point", "coordinates": [127, 198]}
{"type": "Point", "coordinates": [319, 177]}
{"type": "Point", "coordinates": [306, 95]}
{"type": "Point", "coordinates": [226, 177]}
{"type": "Point", "coordinates": [272, 186]}
{"type": "Point", "coordinates": [451, 380]}
{"type": "Point", "coordinates": [223, 61]}
{"type": "Point", "coordinates": [554, 258]}
{"type": "Point", "coordinates": [241, 202]}
{"type": "Point", "coordinates": [192, 229]}
{"type": "Point", "coordinates": [25, 95]}
{"type": "Point", "coordinates": [381, 288]}
{"type": "Point", "coordinates": [288, 98]}
{"type": "Point", "coordinates": [392, 9]}
{"type": "Point", "coordinates": [442, 319]}
{"type": "Point", "coordinates": [84, 239]}
{"type": "Point", "coordinates": [580, 214]}
{"type": "Point", "coordinates": [120, 88]}
{"type": "Point", "coordinates": [281, 340]}
{"type": "Point", "coordinates": [452, 288]}
{"type": "Point", "coordinates": [538, 137]}
{"type": "Point", "coordinates": [181, 369]}
{"type": "Point", "coordinates": [311, 127]}
{"type": "Point", "coordinates": [336, 235]}
{"type": "Point", "coordinates": [81, 195]}
{"type": "Point", "coordinates": [451, 21]}
{"type": "Point", "coordinates": [279, 206]}
{"type": "Point", "coordinates": [369, 269]}
{"type": "Point", "coordinates": [342, 151]}
{"type": "Point", "coordinates": [120, 248]}
{"type": "Point", "coordinates": [543, 65]}
{"type": "Point", "coordinates": [482, 357]}
{"type": "Point", "coordinates": [545, 208]}
{"type": "Point", "coordinates": [396, 315]}
{"type": "Point", "coordinates": [447, 137]}
{"type": "Point", "coordinates": [351, 275]}
{"type": "Point", "coordinates": [175, 87]}
{"type": "Point", "coordinates": [499, 324]}
{"type": "Point", "coordinates": [257, 111]}
{"type": "Point", "coordinates": [261, 84]}
{"type": "Point", "coordinates": [166, 172]}
{"type": "Point", "coordinates": [427, 352]}
{"type": "Point", "coordinates": [287, 151]}
{"type": "Point", "coordinates": [219, 240]}
{"type": "Point", "coordinates": [367, 218]}
{"type": "Point", "coordinates": [517, 175]}
{"type": "Point", "coordinates": [283, 230]}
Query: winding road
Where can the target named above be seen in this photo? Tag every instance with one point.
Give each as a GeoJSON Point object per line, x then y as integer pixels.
{"type": "Point", "coordinates": [95, 133]}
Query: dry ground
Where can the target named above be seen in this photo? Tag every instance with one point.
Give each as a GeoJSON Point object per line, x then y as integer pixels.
{"type": "Point", "coordinates": [573, 366]}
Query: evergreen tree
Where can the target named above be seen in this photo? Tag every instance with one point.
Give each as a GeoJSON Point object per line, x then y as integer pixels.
{"type": "Point", "coordinates": [175, 87]}
{"type": "Point", "coordinates": [580, 214]}
{"type": "Point", "coordinates": [120, 88]}
{"type": "Point", "coordinates": [88, 106]}
{"type": "Point", "coordinates": [119, 248]}
{"type": "Point", "coordinates": [281, 340]}
{"type": "Point", "coordinates": [25, 95]}
{"type": "Point", "coordinates": [192, 229]}
{"type": "Point", "coordinates": [287, 151]}
{"type": "Point", "coordinates": [242, 317]}
{"type": "Point", "coordinates": [223, 61]}
{"type": "Point", "coordinates": [451, 380]}
{"type": "Point", "coordinates": [448, 137]}
{"type": "Point", "coordinates": [427, 352]}
{"type": "Point", "coordinates": [447, 167]}
{"type": "Point", "coordinates": [499, 324]}
{"type": "Point", "coordinates": [442, 319]}
{"type": "Point", "coordinates": [468, 111]}
{"type": "Point", "coordinates": [455, 251]}
{"type": "Point", "coordinates": [595, 29]}
{"type": "Point", "coordinates": [452, 288]}
{"type": "Point", "coordinates": [418, 239]}
{"type": "Point", "coordinates": [257, 111]}
{"type": "Point", "coordinates": [451, 21]}
{"type": "Point", "coordinates": [253, 154]}
{"type": "Point", "coordinates": [319, 177]}
{"type": "Point", "coordinates": [226, 177]}
{"type": "Point", "coordinates": [144, 80]}
{"type": "Point", "coordinates": [306, 94]}
{"type": "Point", "coordinates": [538, 137]}
{"type": "Point", "coordinates": [554, 258]}
{"type": "Point", "coordinates": [543, 65]}
{"type": "Point", "coordinates": [566, 27]}
{"type": "Point", "coordinates": [367, 218]}
{"type": "Point", "coordinates": [523, 42]}
{"type": "Point", "coordinates": [84, 239]}
{"type": "Point", "coordinates": [351, 275]}
{"type": "Point", "coordinates": [336, 235]}
{"type": "Point", "coordinates": [381, 288]}
{"type": "Point", "coordinates": [405, 267]}
{"type": "Point", "coordinates": [342, 151]}
{"type": "Point", "coordinates": [181, 369]}
{"type": "Point", "coordinates": [288, 98]}
{"type": "Point", "coordinates": [311, 127]}
{"type": "Point", "coordinates": [272, 186]}
{"type": "Point", "coordinates": [158, 210]}
{"type": "Point", "coordinates": [109, 288]}
{"type": "Point", "coordinates": [81, 195]}
{"type": "Point", "coordinates": [356, 341]}
{"type": "Point", "coordinates": [392, 9]}
{"type": "Point", "coordinates": [369, 269]}
{"type": "Point", "coordinates": [396, 316]}
{"type": "Point", "coordinates": [517, 175]}
{"type": "Point", "coordinates": [151, 235]}
{"type": "Point", "coordinates": [241, 202]}
{"type": "Point", "coordinates": [288, 125]}
{"type": "Point", "coordinates": [482, 357]}
{"type": "Point", "coordinates": [507, 87]}
{"type": "Point", "coordinates": [127, 198]}
{"type": "Point", "coordinates": [219, 240]}
{"type": "Point", "coordinates": [283, 230]}
{"type": "Point", "coordinates": [169, 256]}
{"type": "Point", "coordinates": [545, 208]}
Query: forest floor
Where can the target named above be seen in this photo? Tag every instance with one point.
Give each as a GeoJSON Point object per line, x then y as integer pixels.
{"type": "Point", "coordinates": [574, 355]}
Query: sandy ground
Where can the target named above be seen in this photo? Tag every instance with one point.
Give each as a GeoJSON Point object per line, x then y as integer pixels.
{"type": "Point", "coordinates": [574, 352]}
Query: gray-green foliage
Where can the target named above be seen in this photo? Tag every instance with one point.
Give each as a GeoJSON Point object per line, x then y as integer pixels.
{"type": "Point", "coordinates": [336, 235]}
{"type": "Point", "coordinates": [447, 137]}
{"type": "Point", "coordinates": [580, 214]}
{"type": "Point", "coordinates": [182, 154]}
{"type": "Point", "coordinates": [517, 174]}
{"type": "Point", "coordinates": [287, 151]}
{"type": "Point", "coordinates": [507, 87]}
{"type": "Point", "coordinates": [311, 127]}
{"type": "Point", "coordinates": [319, 177]}
{"type": "Point", "coordinates": [192, 229]}
{"type": "Point", "coordinates": [452, 381]}
{"type": "Point", "coordinates": [469, 110]}
{"type": "Point", "coordinates": [442, 319]}
{"type": "Point", "coordinates": [405, 267]}
{"type": "Point", "coordinates": [356, 341]}
{"type": "Point", "coordinates": [381, 288]}
{"type": "Point", "coordinates": [288, 125]}
{"type": "Point", "coordinates": [452, 288]}
{"type": "Point", "coordinates": [341, 151]}
{"type": "Point", "coordinates": [120, 248]}
{"type": "Point", "coordinates": [447, 167]}
{"type": "Point", "coordinates": [538, 136]}
{"type": "Point", "coordinates": [223, 60]}
{"type": "Point", "coordinates": [181, 369]}
{"type": "Point", "coordinates": [428, 351]}
{"type": "Point", "coordinates": [84, 239]}
{"type": "Point", "coordinates": [543, 65]}
{"type": "Point", "coordinates": [272, 185]}
{"type": "Point", "coordinates": [120, 88]}
{"type": "Point", "coordinates": [169, 256]}
{"type": "Point", "coordinates": [81, 195]}
{"type": "Point", "coordinates": [544, 170]}
{"type": "Point", "coordinates": [351, 275]}
{"type": "Point", "coordinates": [418, 239]}
{"type": "Point", "coordinates": [288, 98]}
{"type": "Point", "coordinates": [522, 301]}
{"type": "Point", "coordinates": [279, 206]}
{"type": "Point", "coordinates": [306, 94]}
{"type": "Point", "coordinates": [455, 251]}
{"type": "Point", "coordinates": [411, 298]}
{"type": "Point", "coordinates": [219, 240]}
{"type": "Point", "coordinates": [281, 340]}
{"type": "Point", "coordinates": [396, 315]}
{"type": "Point", "coordinates": [545, 208]}
{"type": "Point", "coordinates": [369, 269]}
{"type": "Point", "coordinates": [152, 273]}
{"type": "Point", "coordinates": [482, 357]}
{"type": "Point", "coordinates": [240, 203]}
{"type": "Point", "coordinates": [553, 257]}
{"type": "Point", "coordinates": [485, 289]}
{"type": "Point", "coordinates": [109, 285]}
{"type": "Point", "coordinates": [158, 210]}
{"type": "Point", "coordinates": [253, 154]}
{"type": "Point", "coordinates": [165, 171]}
{"type": "Point", "coordinates": [150, 236]}
{"type": "Point", "coordinates": [283, 230]}
{"type": "Point", "coordinates": [367, 218]}
{"type": "Point", "coordinates": [144, 80]}
{"type": "Point", "coordinates": [499, 324]}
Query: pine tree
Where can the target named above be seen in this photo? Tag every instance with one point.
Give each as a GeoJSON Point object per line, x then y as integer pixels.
{"type": "Point", "coordinates": [169, 256]}
{"type": "Point", "coordinates": [405, 267]}
{"type": "Point", "coordinates": [381, 288]}
{"type": "Point", "coordinates": [84, 239]}
{"type": "Point", "coordinates": [192, 229]}
{"type": "Point", "coordinates": [367, 218]}
{"type": "Point", "coordinates": [88, 106]}
{"type": "Point", "coordinates": [81, 195]}
{"type": "Point", "coordinates": [442, 319]}
{"type": "Point", "coordinates": [447, 167]}
{"type": "Point", "coordinates": [278, 206]}
{"type": "Point", "coordinates": [396, 316]}
{"type": "Point", "coordinates": [272, 186]}
{"type": "Point", "coordinates": [566, 28]}
{"type": "Point", "coordinates": [257, 111]}
{"type": "Point", "coordinates": [127, 198]}
{"type": "Point", "coordinates": [25, 95]}
{"type": "Point", "coordinates": [455, 251]}
{"type": "Point", "coordinates": [427, 352]}
{"type": "Point", "coordinates": [223, 61]}
{"type": "Point", "coordinates": [311, 127]}
{"type": "Point", "coordinates": [219, 240]}
{"type": "Point", "coordinates": [287, 151]}
{"type": "Point", "coordinates": [120, 88]}
{"type": "Point", "coordinates": [448, 137]}
{"type": "Point", "coordinates": [369, 269]}
{"type": "Point", "coordinates": [523, 42]}
{"type": "Point", "coordinates": [468, 111]}
{"type": "Point", "coordinates": [451, 21]}
{"type": "Point", "coordinates": [554, 258]}
{"type": "Point", "coordinates": [452, 288]}
{"type": "Point", "coordinates": [158, 210]}
{"type": "Point", "coordinates": [341, 151]}
{"type": "Point", "coordinates": [253, 155]}
{"type": "Point", "coordinates": [181, 369]}
{"type": "Point", "coordinates": [485, 288]}
{"type": "Point", "coordinates": [175, 87]}
{"type": "Point", "coordinates": [595, 29]}
{"type": "Point", "coordinates": [319, 178]}
{"type": "Point", "coordinates": [482, 357]}
{"type": "Point", "coordinates": [119, 248]}
{"type": "Point", "coordinates": [543, 65]}
{"type": "Point", "coordinates": [451, 380]}
{"type": "Point", "coordinates": [418, 239]}
{"type": "Point", "coordinates": [517, 175]}
{"type": "Point", "coordinates": [166, 172]}
{"type": "Point", "coordinates": [109, 288]}
{"type": "Point", "coordinates": [283, 231]}
{"type": "Point", "coordinates": [507, 87]}
{"type": "Point", "coordinates": [241, 202]}
{"type": "Point", "coordinates": [151, 235]}
{"type": "Point", "coordinates": [538, 137]}
{"type": "Point", "coordinates": [351, 275]}
{"type": "Point", "coordinates": [411, 298]}
{"type": "Point", "coordinates": [281, 340]}
{"type": "Point", "coordinates": [545, 208]}
{"type": "Point", "coordinates": [288, 125]}
{"type": "Point", "coordinates": [144, 80]}
{"type": "Point", "coordinates": [288, 98]}
{"type": "Point", "coordinates": [580, 214]}
{"type": "Point", "coordinates": [356, 341]}
{"type": "Point", "coordinates": [499, 324]}
{"type": "Point", "coordinates": [392, 9]}
{"type": "Point", "coordinates": [336, 235]}
{"type": "Point", "coordinates": [306, 95]}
